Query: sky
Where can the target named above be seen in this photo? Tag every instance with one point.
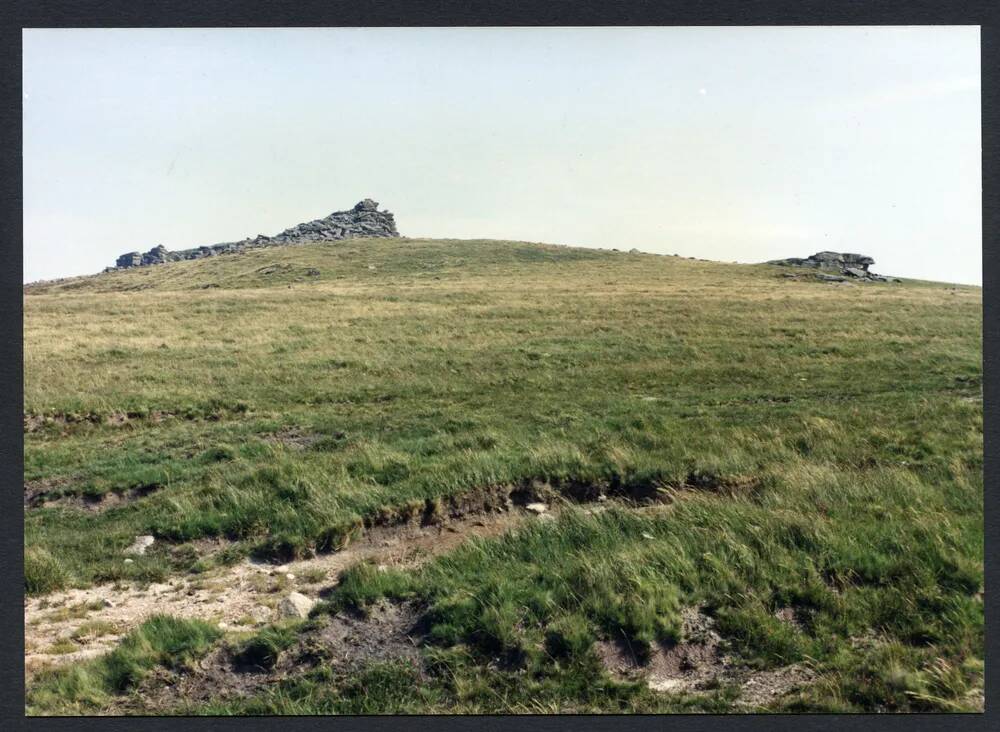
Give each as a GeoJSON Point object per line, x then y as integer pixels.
{"type": "Point", "coordinates": [728, 143]}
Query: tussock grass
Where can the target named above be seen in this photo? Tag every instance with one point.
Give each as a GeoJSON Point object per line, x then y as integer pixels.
{"type": "Point", "coordinates": [852, 413]}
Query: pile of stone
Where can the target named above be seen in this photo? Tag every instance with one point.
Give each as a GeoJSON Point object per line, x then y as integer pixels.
{"type": "Point", "coordinates": [364, 220]}
{"type": "Point", "coordinates": [837, 267]}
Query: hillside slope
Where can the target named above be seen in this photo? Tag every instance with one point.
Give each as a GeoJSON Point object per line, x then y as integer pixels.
{"type": "Point", "coordinates": [794, 465]}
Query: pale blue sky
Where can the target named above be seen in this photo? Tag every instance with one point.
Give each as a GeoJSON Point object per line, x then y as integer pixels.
{"type": "Point", "coordinates": [742, 144]}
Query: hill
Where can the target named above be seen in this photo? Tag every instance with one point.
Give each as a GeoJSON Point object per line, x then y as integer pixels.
{"type": "Point", "coordinates": [577, 479]}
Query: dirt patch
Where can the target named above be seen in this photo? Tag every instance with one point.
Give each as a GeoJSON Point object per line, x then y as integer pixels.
{"type": "Point", "coordinates": [63, 422]}
{"type": "Point", "coordinates": [698, 663]}
{"type": "Point", "coordinates": [52, 492]}
{"type": "Point", "coordinates": [243, 596]}
{"type": "Point", "coordinates": [343, 644]}
{"type": "Point", "coordinates": [761, 688]}
{"type": "Point", "coordinates": [387, 631]}
{"type": "Point", "coordinates": [727, 485]}
{"type": "Point", "coordinates": [37, 492]}
{"type": "Point", "coordinates": [33, 422]}
{"type": "Point", "coordinates": [295, 438]}
{"type": "Point", "coordinates": [796, 617]}
{"type": "Point", "coordinates": [695, 663]}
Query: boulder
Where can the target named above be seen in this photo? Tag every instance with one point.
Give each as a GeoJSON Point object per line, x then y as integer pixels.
{"type": "Point", "coordinates": [835, 266]}
{"type": "Point", "coordinates": [364, 220]}
{"type": "Point", "coordinates": [131, 259]}
{"type": "Point", "coordinates": [295, 605]}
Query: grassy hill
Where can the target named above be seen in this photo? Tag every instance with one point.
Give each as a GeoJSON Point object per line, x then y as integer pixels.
{"type": "Point", "coordinates": [799, 463]}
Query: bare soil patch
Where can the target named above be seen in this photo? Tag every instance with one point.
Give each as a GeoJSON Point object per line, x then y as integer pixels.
{"type": "Point", "coordinates": [699, 663]}
{"type": "Point", "coordinates": [52, 492]}
{"type": "Point", "coordinates": [294, 437]}
{"type": "Point", "coordinates": [343, 644]}
{"type": "Point", "coordinates": [63, 422]}
{"type": "Point", "coordinates": [243, 596]}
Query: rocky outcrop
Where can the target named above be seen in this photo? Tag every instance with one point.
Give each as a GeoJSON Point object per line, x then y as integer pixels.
{"type": "Point", "coordinates": [364, 220]}
{"type": "Point", "coordinates": [837, 266]}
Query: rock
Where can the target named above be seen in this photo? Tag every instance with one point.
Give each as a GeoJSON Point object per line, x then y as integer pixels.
{"type": "Point", "coordinates": [290, 576]}
{"type": "Point", "coordinates": [129, 561]}
{"type": "Point", "coordinates": [536, 508]}
{"type": "Point", "coordinates": [140, 545]}
{"type": "Point", "coordinates": [364, 220]}
{"type": "Point", "coordinates": [107, 603]}
{"type": "Point", "coordinates": [834, 266]}
{"type": "Point", "coordinates": [295, 605]}
{"type": "Point", "coordinates": [131, 259]}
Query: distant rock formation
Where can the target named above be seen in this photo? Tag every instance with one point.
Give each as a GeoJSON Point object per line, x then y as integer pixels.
{"type": "Point", "coordinates": [364, 220]}
{"type": "Point", "coordinates": [837, 266]}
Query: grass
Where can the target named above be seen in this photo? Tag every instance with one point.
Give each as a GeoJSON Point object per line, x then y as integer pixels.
{"type": "Point", "coordinates": [854, 412]}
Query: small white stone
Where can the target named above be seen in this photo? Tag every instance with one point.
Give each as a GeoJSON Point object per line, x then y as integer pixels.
{"type": "Point", "coordinates": [646, 535]}
{"type": "Point", "coordinates": [106, 601]}
{"type": "Point", "coordinates": [140, 545]}
{"type": "Point", "coordinates": [289, 576]}
{"type": "Point", "coordinates": [129, 561]}
{"type": "Point", "coordinates": [536, 508]}
{"type": "Point", "coordinates": [223, 626]}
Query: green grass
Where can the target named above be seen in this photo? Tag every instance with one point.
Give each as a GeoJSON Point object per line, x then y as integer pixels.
{"type": "Point", "coordinates": [878, 551]}
{"type": "Point", "coordinates": [263, 649]}
{"type": "Point", "coordinates": [855, 412]}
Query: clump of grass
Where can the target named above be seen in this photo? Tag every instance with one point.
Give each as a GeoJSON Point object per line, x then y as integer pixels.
{"type": "Point", "coordinates": [263, 649]}
{"type": "Point", "coordinates": [94, 629]}
{"type": "Point", "coordinates": [42, 572]}
{"type": "Point", "coordinates": [62, 646]}
{"type": "Point", "coordinates": [364, 583]}
{"type": "Point", "coordinates": [312, 575]}
{"type": "Point", "coordinates": [76, 610]}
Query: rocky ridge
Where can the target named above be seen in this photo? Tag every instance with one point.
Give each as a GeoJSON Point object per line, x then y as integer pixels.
{"type": "Point", "coordinates": [364, 220]}
{"type": "Point", "coordinates": [836, 267]}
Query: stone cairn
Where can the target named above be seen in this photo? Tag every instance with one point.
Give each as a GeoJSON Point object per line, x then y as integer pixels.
{"type": "Point", "coordinates": [836, 267]}
{"type": "Point", "coordinates": [364, 220]}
